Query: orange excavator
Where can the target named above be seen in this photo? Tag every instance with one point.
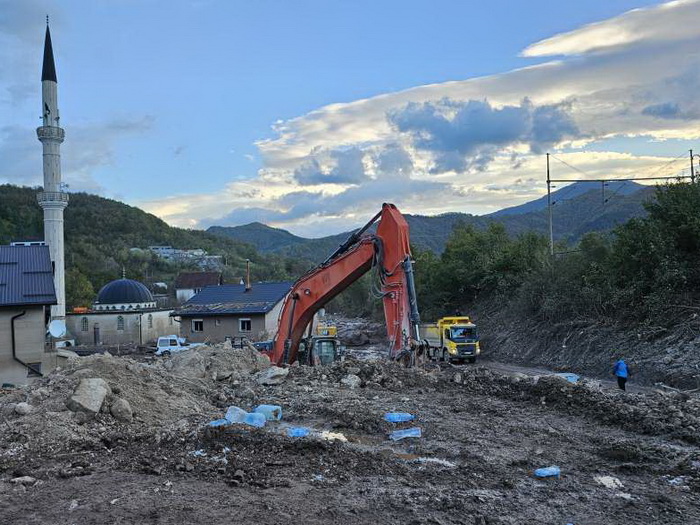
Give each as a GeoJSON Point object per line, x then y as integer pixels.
{"type": "Point", "coordinates": [387, 252]}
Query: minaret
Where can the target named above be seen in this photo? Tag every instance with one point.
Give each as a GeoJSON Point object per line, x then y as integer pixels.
{"type": "Point", "coordinates": [52, 200]}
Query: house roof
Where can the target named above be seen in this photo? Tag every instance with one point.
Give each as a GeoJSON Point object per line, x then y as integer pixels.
{"type": "Point", "coordinates": [188, 280]}
{"type": "Point", "coordinates": [230, 299]}
{"type": "Point", "coordinates": [26, 276]}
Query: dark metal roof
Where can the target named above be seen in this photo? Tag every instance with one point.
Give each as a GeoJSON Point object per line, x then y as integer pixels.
{"type": "Point", "coordinates": [124, 291]}
{"type": "Point", "coordinates": [48, 72]}
{"type": "Point", "coordinates": [188, 280]}
{"type": "Point", "coordinates": [26, 276]}
{"type": "Point", "coordinates": [233, 299]}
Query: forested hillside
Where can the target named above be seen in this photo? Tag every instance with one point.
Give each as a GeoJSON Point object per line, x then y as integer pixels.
{"type": "Point", "coordinates": [576, 212]}
{"type": "Point", "coordinates": [99, 233]}
{"type": "Point", "coordinates": [647, 264]}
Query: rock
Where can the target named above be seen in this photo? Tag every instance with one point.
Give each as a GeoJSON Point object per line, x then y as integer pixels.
{"type": "Point", "coordinates": [353, 370]}
{"type": "Point", "coordinates": [354, 337]}
{"type": "Point", "coordinates": [23, 408]}
{"type": "Point", "coordinates": [223, 375]}
{"type": "Point", "coordinates": [239, 475]}
{"type": "Point", "coordinates": [88, 396]}
{"type": "Point", "coordinates": [7, 409]}
{"type": "Point", "coordinates": [272, 376]}
{"type": "Point", "coordinates": [38, 395]}
{"type": "Point", "coordinates": [84, 372]}
{"type": "Point", "coordinates": [351, 381]}
{"type": "Point", "coordinates": [121, 410]}
{"type": "Point", "coordinates": [24, 480]}
{"type": "Point", "coordinates": [457, 378]}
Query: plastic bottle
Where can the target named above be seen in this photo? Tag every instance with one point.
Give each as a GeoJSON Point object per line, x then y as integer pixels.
{"type": "Point", "coordinates": [297, 432]}
{"type": "Point", "coordinates": [548, 472]}
{"type": "Point", "coordinates": [235, 414]}
{"type": "Point", "coordinates": [406, 433]}
{"type": "Point", "coordinates": [398, 417]}
{"type": "Point", "coordinates": [255, 419]}
{"type": "Point", "coordinates": [219, 423]}
{"type": "Point", "coordinates": [271, 412]}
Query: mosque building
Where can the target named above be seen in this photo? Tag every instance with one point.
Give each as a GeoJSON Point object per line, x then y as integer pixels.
{"type": "Point", "coordinates": [124, 312]}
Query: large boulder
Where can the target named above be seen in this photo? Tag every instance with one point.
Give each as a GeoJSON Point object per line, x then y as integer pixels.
{"type": "Point", "coordinates": [272, 376]}
{"type": "Point", "coordinates": [121, 410]}
{"type": "Point", "coordinates": [23, 408]}
{"type": "Point", "coordinates": [89, 395]}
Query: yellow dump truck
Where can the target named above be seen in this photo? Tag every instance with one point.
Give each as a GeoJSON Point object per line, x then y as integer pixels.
{"type": "Point", "coordinates": [451, 339]}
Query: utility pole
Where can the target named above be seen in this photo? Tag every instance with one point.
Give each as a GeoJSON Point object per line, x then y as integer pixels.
{"type": "Point", "coordinates": [692, 169]}
{"type": "Point", "coordinates": [549, 207]}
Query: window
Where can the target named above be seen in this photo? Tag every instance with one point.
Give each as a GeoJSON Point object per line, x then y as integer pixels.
{"type": "Point", "coordinates": [245, 325]}
{"type": "Point", "coordinates": [150, 321]}
{"type": "Point", "coordinates": [120, 323]}
{"type": "Point", "coordinates": [198, 325]}
{"type": "Point", "coordinates": [33, 369]}
{"type": "Point", "coordinates": [84, 324]}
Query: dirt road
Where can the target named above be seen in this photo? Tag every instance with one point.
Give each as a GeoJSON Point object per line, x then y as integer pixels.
{"type": "Point", "coordinates": [624, 458]}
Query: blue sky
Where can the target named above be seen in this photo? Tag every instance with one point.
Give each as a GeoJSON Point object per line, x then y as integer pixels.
{"type": "Point", "coordinates": [308, 114]}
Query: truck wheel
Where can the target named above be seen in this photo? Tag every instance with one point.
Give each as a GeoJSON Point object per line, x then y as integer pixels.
{"type": "Point", "coordinates": [166, 353]}
{"type": "Point", "coordinates": [445, 356]}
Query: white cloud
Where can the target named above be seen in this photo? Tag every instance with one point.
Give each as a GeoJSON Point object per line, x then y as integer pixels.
{"type": "Point", "coordinates": [663, 23]}
{"type": "Point", "coordinates": [468, 145]}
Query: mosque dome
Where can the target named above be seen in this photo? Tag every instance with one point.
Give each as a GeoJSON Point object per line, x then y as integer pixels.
{"type": "Point", "coordinates": [124, 293]}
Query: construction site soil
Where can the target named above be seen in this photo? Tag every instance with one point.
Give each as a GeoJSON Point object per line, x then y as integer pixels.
{"type": "Point", "coordinates": [625, 458]}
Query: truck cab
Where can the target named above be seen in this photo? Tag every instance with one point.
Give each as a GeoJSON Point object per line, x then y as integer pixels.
{"type": "Point", "coordinates": [452, 339]}
{"type": "Point", "coordinates": [460, 341]}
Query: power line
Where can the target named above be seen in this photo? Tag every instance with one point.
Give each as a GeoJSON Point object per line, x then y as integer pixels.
{"type": "Point", "coordinates": [603, 182]}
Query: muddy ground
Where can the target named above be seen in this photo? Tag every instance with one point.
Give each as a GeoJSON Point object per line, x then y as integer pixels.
{"type": "Point", "coordinates": [667, 354]}
{"type": "Point", "coordinates": [625, 458]}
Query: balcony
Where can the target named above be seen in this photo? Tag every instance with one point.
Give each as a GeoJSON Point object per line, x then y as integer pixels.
{"type": "Point", "coordinates": [50, 132]}
{"type": "Point", "coordinates": [52, 196]}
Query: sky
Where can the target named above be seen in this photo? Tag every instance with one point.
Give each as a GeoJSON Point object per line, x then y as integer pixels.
{"type": "Point", "coordinates": [308, 114]}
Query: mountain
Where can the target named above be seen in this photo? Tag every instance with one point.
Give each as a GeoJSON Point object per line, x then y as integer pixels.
{"type": "Point", "coordinates": [570, 192]}
{"type": "Point", "coordinates": [577, 210]}
{"type": "Point", "coordinates": [100, 234]}
{"type": "Point", "coordinates": [264, 237]}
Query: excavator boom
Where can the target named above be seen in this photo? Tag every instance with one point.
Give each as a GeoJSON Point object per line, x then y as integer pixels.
{"type": "Point", "coordinates": [387, 251]}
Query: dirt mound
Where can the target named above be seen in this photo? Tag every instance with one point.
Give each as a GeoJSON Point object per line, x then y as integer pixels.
{"type": "Point", "coordinates": [159, 396]}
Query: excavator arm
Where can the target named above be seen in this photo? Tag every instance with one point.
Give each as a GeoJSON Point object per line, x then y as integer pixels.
{"type": "Point", "coordinates": [389, 253]}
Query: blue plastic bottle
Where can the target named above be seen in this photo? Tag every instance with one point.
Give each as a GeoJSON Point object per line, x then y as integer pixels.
{"type": "Point", "coordinates": [296, 432]}
{"type": "Point", "coordinates": [398, 417]}
{"type": "Point", "coordinates": [235, 414]}
{"type": "Point", "coordinates": [255, 419]}
{"type": "Point", "coordinates": [219, 423]}
{"type": "Point", "coordinates": [406, 433]}
{"type": "Point", "coordinates": [548, 472]}
{"type": "Point", "coordinates": [271, 412]}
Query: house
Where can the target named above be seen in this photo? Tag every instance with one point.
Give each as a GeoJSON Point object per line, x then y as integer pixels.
{"type": "Point", "coordinates": [226, 311]}
{"type": "Point", "coordinates": [124, 312]}
{"type": "Point", "coordinates": [26, 293]}
{"type": "Point", "coordinates": [188, 284]}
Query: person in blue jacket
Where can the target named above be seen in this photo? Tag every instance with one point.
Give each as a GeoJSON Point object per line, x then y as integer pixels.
{"type": "Point", "coordinates": [621, 371]}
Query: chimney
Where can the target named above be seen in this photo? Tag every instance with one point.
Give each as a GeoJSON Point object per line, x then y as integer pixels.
{"type": "Point", "coordinates": [247, 275]}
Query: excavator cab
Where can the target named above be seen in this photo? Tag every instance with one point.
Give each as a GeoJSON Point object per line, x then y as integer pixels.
{"type": "Point", "coordinates": [320, 350]}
